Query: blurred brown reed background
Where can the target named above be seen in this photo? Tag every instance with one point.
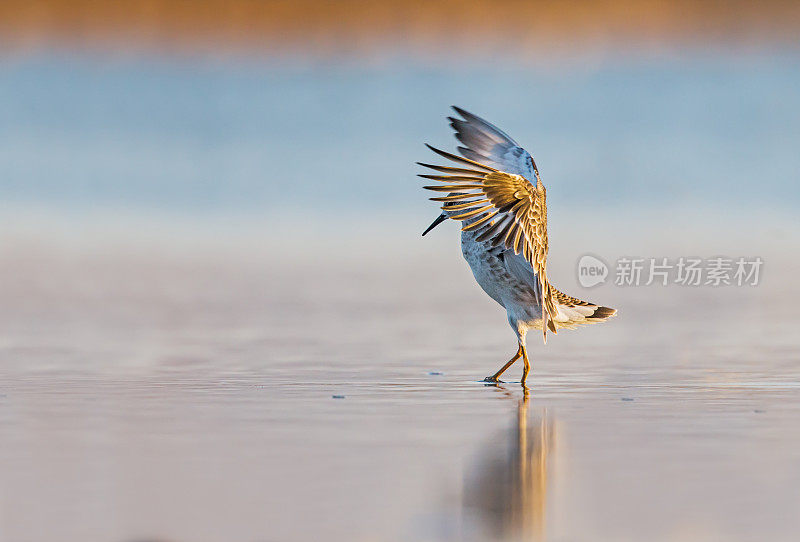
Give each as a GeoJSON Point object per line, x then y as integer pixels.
{"type": "Point", "coordinates": [355, 26]}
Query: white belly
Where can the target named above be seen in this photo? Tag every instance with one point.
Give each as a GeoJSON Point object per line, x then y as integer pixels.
{"type": "Point", "coordinates": [494, 278]}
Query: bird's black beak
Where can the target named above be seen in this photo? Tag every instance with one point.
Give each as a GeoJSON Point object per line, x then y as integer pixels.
{"type": "Point", "coordinates": [439, 219]}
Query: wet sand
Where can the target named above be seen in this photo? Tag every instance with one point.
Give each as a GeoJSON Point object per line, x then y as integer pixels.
{"type": "Point", "coordinates": [225, 394]}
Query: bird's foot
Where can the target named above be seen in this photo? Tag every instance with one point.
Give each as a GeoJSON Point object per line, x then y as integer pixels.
{"type": "Point", "coordinates": [491, 379]}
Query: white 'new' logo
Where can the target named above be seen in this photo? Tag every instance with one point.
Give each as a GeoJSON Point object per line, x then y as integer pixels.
{"type": "Point", "coordinates": [591, 271]}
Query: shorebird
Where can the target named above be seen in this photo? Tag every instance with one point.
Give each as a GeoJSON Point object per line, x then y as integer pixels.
{"type": "Point", "coordinates": [504, 231]}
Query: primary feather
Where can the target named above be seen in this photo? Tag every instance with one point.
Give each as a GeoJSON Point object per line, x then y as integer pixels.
{"type": "Point", "coordinates": [487, 144]}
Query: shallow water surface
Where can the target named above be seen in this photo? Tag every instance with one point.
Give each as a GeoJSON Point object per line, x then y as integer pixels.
{"type": "Point", "coordinates": [185, 398]}
{"type": "Point", "coordinates": [218, 321]}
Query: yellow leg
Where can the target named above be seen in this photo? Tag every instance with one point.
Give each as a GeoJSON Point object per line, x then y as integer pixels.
{"type": "Point", "coordinates": [495, 376]}
{"type": "Point", "coordinates": [527, 367]}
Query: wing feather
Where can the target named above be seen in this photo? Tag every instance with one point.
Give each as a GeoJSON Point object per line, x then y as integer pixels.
{"type": "Point", "coordinates": [448, 178]}
{"type": "Point", "coordinates": [471, 213]}
{"type": "Point", "coordinates": [486, 143]}
{"type": "Point", "coordinates": [460, 206]}
{"type": "Point", "coordinates": [455, 158]}
{"type": "Point", "coordinates": [448, 169]}
{"type": "Point", "coordinates": [452, 187]}
{"type": "Point", "coordinates": [519, 210]}
{"type": "Point", "coordinates": [454, 197]}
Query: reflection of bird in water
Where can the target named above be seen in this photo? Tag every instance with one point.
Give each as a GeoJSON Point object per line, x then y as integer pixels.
{"type": "Point", "coordinates": [497, 193]}
{"type": "Point", "coordinates": [509, 495]}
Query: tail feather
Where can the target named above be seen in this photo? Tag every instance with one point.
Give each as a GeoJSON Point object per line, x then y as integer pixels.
{"type": "Point", "coordinates": [573, 312]}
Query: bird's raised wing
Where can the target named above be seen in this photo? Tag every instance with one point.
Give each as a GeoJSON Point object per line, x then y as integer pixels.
{"type": "Point", "coordinates": [502, 209]}
{"type": "Point", "coordinates": [486, 143]}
